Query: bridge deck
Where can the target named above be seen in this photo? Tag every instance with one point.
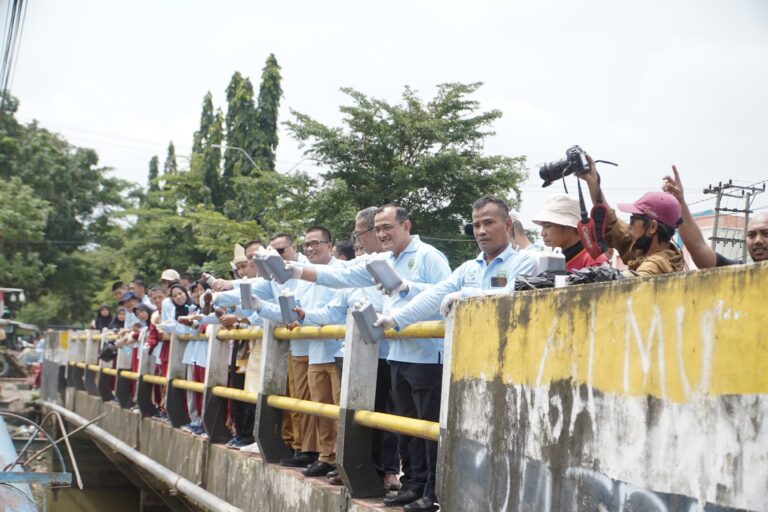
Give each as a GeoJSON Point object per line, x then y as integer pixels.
{"type": "Point", "coordinates": [243, 480]}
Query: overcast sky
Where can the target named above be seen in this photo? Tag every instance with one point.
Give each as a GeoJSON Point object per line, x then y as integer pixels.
{"type": "Point", "coordinates": [645, 84]}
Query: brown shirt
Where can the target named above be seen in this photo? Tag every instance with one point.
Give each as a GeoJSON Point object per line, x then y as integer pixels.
{"type": "Point", "coordinates": [664, 260]}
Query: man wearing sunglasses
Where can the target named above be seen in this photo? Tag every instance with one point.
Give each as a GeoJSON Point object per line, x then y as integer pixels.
{"type": "Point", "coordinates": [415, 364]}
{"type": "Point", "coordinates": [317, 357]}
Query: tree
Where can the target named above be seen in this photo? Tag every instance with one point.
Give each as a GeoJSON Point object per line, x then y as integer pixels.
{"type": "Point", "coordinates": [241, 129]}
{"type": "Point", "coordinates": [79, 199]}
{"type": "Point", "coordinates": [170, 167]}
{"type": "Point", "coordinates": [426, 156]}
{"type": "Point", "coordinates": [206, 144]}
{"type": "Point", "coordinates": [267, 112]}
{"type": "Point", "coordinates": [154, 172]}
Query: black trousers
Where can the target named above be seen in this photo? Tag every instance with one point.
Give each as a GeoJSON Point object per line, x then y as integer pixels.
{"type": "Point", "coordinates": [243, 413]}
{"type": "Point", "coordinates": [384, 445]}
{"type": "Point", "coordinates": [416, 389]}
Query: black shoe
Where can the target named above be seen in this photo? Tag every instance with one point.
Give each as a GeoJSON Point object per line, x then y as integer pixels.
{"type": "Point", "coordinates": [422, 505]}
{"type": "Point", "coordinates": [318, 468]}
{"type": "Point", "coordinates": [299, 460]}
{"type": "Point", "coordinates": [333, 473]}
{"type": "Point", "coordinates": [404, 497]}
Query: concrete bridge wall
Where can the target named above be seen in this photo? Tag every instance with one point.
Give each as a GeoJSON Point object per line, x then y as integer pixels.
{"type": "Point", "coordinates": [642, 395]}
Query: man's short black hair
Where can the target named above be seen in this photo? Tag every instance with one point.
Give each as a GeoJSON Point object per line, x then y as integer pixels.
{"type": "Point", "coordinates": [281, 235]}
{"type": "Point", "coordinates": [156, 288]}
{"type": "Point", "coordinates": [401, 214]}
{"type": "Point", "coordinates": [324, 231]}
{"type": "Point", "coordinates": [189, 276]}
{"type": "Point", "coordinates": [486, 200]}
{"type": "Point", "coordinates": [117, 285]}
{"type": "Point", "coordinates": [139, 281]}
{"type": "Point", "coordinates": [255, 241]}
{"type": "Point", "coordinates": [345, 248]}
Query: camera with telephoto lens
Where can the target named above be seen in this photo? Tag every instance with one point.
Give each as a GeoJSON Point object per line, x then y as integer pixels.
{"type": "Point", "coordinates": [575, 161]}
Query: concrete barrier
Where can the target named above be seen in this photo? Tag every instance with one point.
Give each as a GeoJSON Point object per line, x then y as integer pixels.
{"type": "Point", "coordinates": [641, 395]}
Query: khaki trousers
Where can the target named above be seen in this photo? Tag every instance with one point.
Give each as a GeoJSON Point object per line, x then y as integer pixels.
{"type": "Point", "coordinates": [299, 430]}
{"type": "Point", "coordinates": [325, 387]}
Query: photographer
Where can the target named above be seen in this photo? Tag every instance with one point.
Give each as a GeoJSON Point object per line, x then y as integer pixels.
{"type": "Point", "coordinates": [558, 220]}
{"type": "Point", "coordinates": [645, 243]}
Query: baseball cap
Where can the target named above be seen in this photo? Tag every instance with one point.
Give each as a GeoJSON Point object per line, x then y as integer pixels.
{"type": "Point", "coordinates": [170, 275]}
{"type": "Point", "coordinates": [560, 209]}
{"type": "Point", "coordinates": [659, 206]}
{"type": "Point", "coordinates": [127, 296]}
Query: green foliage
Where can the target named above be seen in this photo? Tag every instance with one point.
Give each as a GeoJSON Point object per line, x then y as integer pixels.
{"type": "Point", "coordinates": [170, 167]}
{"type": "Point", "coordinates": [56, 205]}
{"type": "Point", "coordinates": [154, 173]}
{"type": "Point", "coordinates": [267, 112]}
{"type": "Point", "coordinates": [241, 129]}
{"type": "Point", "coordinates": [206, 143]}
{"type": "Point", "coordinates": [426, 156]}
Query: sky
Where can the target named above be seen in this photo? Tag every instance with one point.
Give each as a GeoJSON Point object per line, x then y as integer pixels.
{"type": "Point", "coordinates": [644, 84]}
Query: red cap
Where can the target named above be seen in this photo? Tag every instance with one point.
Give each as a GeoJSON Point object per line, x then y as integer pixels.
{"type": "Point", "coordinates": [658, 206]}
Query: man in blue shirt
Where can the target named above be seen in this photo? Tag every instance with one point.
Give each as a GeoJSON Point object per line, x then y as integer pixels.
{"type": "Point", "coordinates": [492, 272]}
{"type": "Point", "coordinates": [415, 364]}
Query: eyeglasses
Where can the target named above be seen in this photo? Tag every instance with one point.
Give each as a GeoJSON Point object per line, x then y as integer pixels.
{"type": "Point", "coordinates": [356, 235]}
{"type": "Point", "coordinates": [314, 244]}
{"type": "Point", "coordinates": [386, 228]}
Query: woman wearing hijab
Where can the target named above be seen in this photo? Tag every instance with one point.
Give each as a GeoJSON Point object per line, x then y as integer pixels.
{"type": "Point", "coordinates": [118, 322]}
{"type": "Point", "coordinates": [103, 318]}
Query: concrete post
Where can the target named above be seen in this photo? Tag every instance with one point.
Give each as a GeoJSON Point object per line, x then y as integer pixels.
{"type": "Point", "coordinates": [274, 378]}
{"type": "Point", "coordinates": [445, 397]}
{"type": "Point", "coordinates": [106, 382]}
{"type": "Point", "coordinates": [123, 385]}
{"type": "Point", "coordinates": [77, 354]}
{"type": "Point", "coordinates": [176, 399]}
{"type": "Point", "coordinates": [216, 374]}
{"type": "Point", "coordinates": [146, 366]}
{"type": "Point", "coordinates": [91, 357]}
{"type": "Point", "coordinates": [358, 391]}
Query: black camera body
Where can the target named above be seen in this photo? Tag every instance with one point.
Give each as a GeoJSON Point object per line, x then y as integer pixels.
{"type": "Point", "coordinates": [575, 161]}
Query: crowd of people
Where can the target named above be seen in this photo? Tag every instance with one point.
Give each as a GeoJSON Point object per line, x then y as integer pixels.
{"type": "Point", "coordinates": [327, 279]}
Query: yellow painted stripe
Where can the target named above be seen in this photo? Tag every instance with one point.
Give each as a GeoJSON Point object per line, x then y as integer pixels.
{"type": "Point", "coordinates": [308, 333]}
{"type": "Point", "coordinates": [189, 385]}
{"type": "Point", "coordinates": [127, 374]}
{"type": "Point", "coordinates": [294, 404]}
{"type": "Point", "coordinates": [409, 426]}
{"type": "Point", "coordinates": [235, 394]}
{"type": "Point", "coordinates": [673, 337]}
{"type": "Point", "coordinates": [94, 368]}
{"type": "Point", "coordinates": [80, 365]}
{"type": "Point", "coordinates": [255, 333]}
{"type": "Point", "coordinates": [109, 371]}
{"type": "Point", "coordinates": [155, 379]}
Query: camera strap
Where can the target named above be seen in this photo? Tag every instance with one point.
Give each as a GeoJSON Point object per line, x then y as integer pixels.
{"type": "Point", "coordinates": [591, 228]}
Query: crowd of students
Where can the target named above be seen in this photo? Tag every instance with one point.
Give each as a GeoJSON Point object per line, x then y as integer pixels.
{"type": "Point", "coordinates": [328, 279]}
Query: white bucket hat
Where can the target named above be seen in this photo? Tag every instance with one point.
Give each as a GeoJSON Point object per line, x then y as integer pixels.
{"type": "Point", "coordinates": [560, 209]}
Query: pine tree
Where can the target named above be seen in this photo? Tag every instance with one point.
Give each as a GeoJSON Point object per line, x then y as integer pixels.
{"type": "Point", "coordinates": [270, 92]}
{"type": "Point", "coordinates": [170, 166]}
{"type": "Point", "coordinates": [154, 171]}
{"type": "Point", "coordinates": [241, 131]}
{"type": "Point", "coordinates": [200, 138]}
{"type": "Point", "coordinates": [212, 161]}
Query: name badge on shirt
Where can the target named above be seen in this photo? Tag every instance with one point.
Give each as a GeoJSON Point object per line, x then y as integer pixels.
{"type": "Point", "coordinates": [498, 281]}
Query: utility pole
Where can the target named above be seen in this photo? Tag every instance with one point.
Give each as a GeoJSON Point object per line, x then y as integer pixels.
{"type": "Point", "coordinates": [748, 194]}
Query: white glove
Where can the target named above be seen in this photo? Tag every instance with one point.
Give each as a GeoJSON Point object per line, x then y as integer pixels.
{"type": "Point", "coordinates": [448, 301]}
{"type": "Point", "coordinates": [295, 269]}
{"type": "Point", "coordinates": [390, 293]}
{"type": "Point", "coordinates": [387, 322]}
